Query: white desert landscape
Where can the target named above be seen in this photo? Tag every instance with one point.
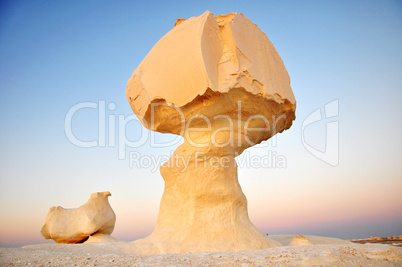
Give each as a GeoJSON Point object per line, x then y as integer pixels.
{"type": "Point", "coordinates": [109, 252]}
{"type": "Point", "coordinates": [217, 82]}
{"type": "Point", "coordinates": [98, 248]}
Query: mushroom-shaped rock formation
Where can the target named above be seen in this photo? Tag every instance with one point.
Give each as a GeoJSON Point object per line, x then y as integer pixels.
{"type": "Point", "coordinates": [75, 225]}
{"type": "Point", "coordinates": [219, 83]}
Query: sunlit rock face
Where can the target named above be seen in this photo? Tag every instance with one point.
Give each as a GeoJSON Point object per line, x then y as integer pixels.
{"type": "Point", "coordinates": [96, 216]}
{"type": "Point", "coordinates": [219, 83]}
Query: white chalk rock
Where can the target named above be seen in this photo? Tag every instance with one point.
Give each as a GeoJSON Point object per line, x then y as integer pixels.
{"type": "Point", "coordinates": [210, 56]}
{"type": "Point", "coordinates": [219, 83]}
{"type": "Point", "coordinates": [300, 240]}
{"type": "Point", "coordinates": [75, 225]}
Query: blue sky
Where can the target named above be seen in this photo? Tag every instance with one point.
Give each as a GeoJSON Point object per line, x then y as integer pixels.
{"type": "Point", "coordinates": [54, 55]}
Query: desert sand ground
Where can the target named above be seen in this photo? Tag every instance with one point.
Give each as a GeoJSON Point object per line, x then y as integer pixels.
{"type": "Point", "coordinates": [324, 252]}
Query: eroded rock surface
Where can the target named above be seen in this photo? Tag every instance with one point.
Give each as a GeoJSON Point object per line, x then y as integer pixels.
{"type": "Point", "coordinates": [96, 216]}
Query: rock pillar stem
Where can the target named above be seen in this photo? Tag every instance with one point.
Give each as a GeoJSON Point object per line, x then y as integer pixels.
{"type": "Point", "coordinates": [203, 205]}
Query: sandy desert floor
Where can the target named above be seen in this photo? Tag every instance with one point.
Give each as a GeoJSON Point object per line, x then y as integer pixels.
{"type": "Point", "coordinates": [339, 253]}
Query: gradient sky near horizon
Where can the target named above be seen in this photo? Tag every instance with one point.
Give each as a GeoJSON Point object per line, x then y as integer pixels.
{"type": "Point", "coordinates": [55, 55]}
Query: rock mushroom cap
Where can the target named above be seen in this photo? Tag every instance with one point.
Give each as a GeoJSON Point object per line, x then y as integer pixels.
{"type": "Point", "coordinates": [206, 65]}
